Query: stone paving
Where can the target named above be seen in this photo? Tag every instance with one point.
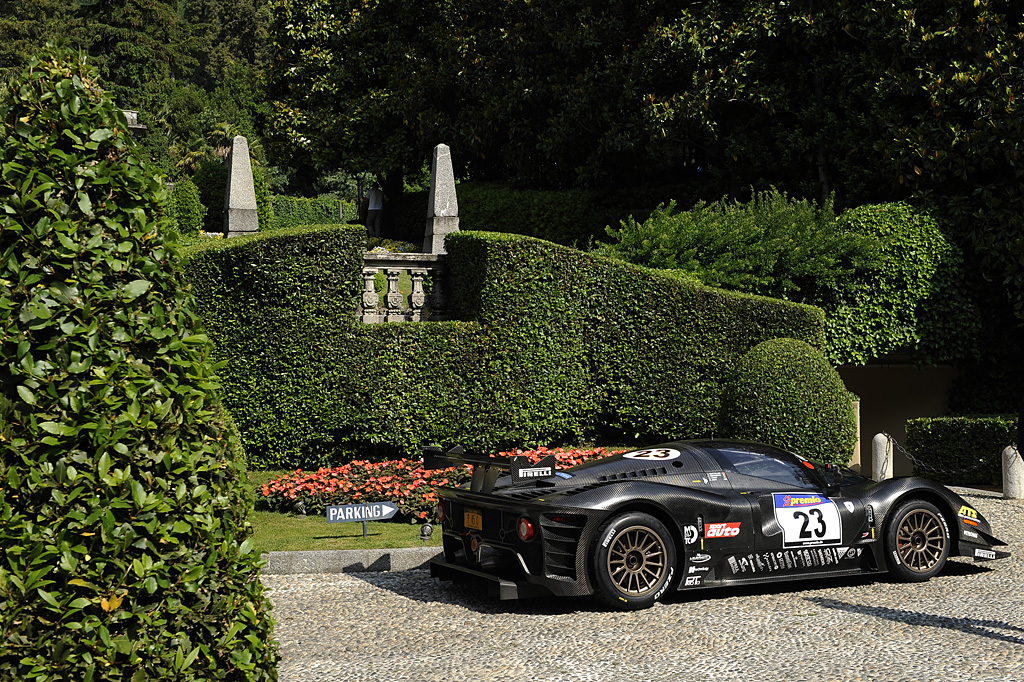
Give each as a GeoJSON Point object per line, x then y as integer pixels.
{"type": "Point", "coordinates": [967, 624]}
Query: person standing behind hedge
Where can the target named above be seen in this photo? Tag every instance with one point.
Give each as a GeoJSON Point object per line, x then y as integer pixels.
{"type": "Point", "coordinates": [375, 199]}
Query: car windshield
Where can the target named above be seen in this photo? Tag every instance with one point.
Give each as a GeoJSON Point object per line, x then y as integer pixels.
{"type": "Point", "coordinates": [770, 464]}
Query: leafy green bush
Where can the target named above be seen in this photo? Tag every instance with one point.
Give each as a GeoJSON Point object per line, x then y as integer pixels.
{"type": "Point", "coordinates": [785, 393]}
{"type": "Point", "coordinates": [548, 344]}
{"type": "Point", "coordinates": [885, 275]}
{"type": "Point", "coordinates": [187, 209]}
{"type": "Point", "coordinates": [914, 300]}
{"type": "Point", "coordinates": [772, 246]}
{"type": "Point", "coordinates": [123, 550]}
{"type": "Point", "coordinates": [961, 450]}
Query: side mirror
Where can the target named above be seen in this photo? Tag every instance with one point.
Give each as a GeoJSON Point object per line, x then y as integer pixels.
{"type": "Point", "coordinates": [833, 475]}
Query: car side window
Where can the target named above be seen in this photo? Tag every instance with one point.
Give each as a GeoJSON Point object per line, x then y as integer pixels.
{"type": "Point", "coordinates": [778, 467]}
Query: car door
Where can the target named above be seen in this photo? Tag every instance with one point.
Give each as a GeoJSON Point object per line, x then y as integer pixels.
{"type": "Point", "coordinates": [799, 528]}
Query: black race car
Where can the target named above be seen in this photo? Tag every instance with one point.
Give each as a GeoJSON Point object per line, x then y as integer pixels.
{"type": "Point", "coordinates": [690, 515]}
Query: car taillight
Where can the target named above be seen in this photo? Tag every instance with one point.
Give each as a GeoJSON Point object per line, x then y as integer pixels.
{"type": "Point", "coordinates": [525, 529]}
{"type": "Point", "coordinates": [440, 512]}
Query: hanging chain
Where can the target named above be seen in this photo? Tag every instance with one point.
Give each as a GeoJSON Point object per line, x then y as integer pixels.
{"type": "Point", "coordinates": [920, 464]}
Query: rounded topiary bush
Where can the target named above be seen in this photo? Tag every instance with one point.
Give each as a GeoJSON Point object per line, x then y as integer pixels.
{"type": "Point", "coordinates": [785, 393]}
{"type": "Point", "coordinates": [123, 519]}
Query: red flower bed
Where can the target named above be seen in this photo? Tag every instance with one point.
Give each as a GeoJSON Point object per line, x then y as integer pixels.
{"type": "Point", "coordinates": [404, 482]}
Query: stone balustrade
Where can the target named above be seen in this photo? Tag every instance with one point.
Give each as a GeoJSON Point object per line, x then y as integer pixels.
{"type": "Point", "coordinates": [426, 270]}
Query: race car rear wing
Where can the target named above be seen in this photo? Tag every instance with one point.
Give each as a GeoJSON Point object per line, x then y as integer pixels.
{"type": "Point", "coordinates": [487, 468]}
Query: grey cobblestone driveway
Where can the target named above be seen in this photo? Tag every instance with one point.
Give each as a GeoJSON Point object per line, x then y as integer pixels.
{"type": "Point", "coordinates": [965, 625]}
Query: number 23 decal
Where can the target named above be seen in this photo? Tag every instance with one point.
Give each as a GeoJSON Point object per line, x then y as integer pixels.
{"type": "Point", "coordinates": [807, 519]}
{"type": "Point", "coordinates": [819, 530]}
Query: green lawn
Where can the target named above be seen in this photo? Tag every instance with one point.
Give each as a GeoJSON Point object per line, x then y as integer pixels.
{"type": "Point", "coordinates": [277, 532]}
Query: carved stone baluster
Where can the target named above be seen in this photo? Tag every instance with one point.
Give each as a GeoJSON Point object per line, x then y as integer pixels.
{"type": "Point", "coordinates": [393, 298]}
{"type": "Point", "coordinates": [370, 315]}
{"type": "Point", "coordinates": [417, 298]}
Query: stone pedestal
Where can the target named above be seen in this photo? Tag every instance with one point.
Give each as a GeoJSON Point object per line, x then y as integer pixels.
{"type": "Point", "coordinates": [240, 217]}
{"type": "Point", "coordinates": [1013, 474]}
{"type": "Point", "coordinates": [442, 205]}
{"type": "Point", "coordinates": [881, 457]}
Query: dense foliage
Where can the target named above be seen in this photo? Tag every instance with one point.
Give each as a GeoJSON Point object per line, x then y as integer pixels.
{"type": "Point", "coordinates": [123, 542]}
{"type": "Point", "coordinates": [961, 450]}
{"type": "Point", "coordinates": [887, 278]}
{"type": "Point", "coordinates": [547, 344]}
{"type": "Point", "coordinates": [785, 393]}
{"type": "Point", "coordinates": [186, 210]}
{"type": "Point", "coordinates": [873, 101]}
{"type": "Point", "coordinates": [184, 65]}
{"type": "Point", "coordinates": [404, 482]}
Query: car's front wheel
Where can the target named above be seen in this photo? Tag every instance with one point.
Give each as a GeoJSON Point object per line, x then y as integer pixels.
{"type": "Point", "coordinates": [634, 561]}
{"type": "Point", "coordinates": [917, 541]}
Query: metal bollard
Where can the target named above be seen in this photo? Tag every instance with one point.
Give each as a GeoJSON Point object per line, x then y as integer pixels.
{"type": "Point", "coordinates": [881, 457]}
{"type": "Point", "coordinates": [1013, 474]}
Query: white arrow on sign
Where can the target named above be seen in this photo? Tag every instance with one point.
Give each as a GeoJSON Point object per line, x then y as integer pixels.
{"type": "Point", "coordinates": [371, 511]}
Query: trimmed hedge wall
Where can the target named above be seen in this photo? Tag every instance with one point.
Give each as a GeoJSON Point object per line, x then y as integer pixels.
{"type": "Point", "coordinates": [296, 211]}
{"type": "Point", "coordinates": [962, 450]}
{"type": "Point", "coordinates": [549, 345]}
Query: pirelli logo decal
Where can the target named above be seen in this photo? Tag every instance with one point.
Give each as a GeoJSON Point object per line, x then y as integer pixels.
{"type": "Point", "coordinates": [524, 470]}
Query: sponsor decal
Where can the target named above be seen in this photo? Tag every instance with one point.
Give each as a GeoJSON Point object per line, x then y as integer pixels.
{"type": "Point", "coordinates": [968, 516]}
{"type": "Point", "coordinates": [668, 581]}
{"type": "Point", "coordinates": [896, 556]}
{"type": "Point", "coordinates": [970, 534]}
{"type": "Point", "coordinates": [807, 519]}
{"type": "Point", "coordinates": [848, 505]}
{"type": "Point", "coordinates": [984, 554]}
{"type": "Point", "coordinates": [791, 559]}
{"type": "Point", "coordinates": [522, 469]}
{"type": "Point", "coordinates": [690, 534]}
{"type": "Point", "coordinates": [693, 580]}
{"type": "Point", "coordinates": [713, 477]}
{"type": "Point", "coordinates": [865, 534]}
{"type": "Point", "coordinates": [871, 514]}
{"type": "Point", "coordinates": [608, 538]}
{"type": "Point", "coordinates": [700, 558]}
{"type": "Point", "coordinates": [967, 512]}
{"type": "Point", "coordinates": [722, 530]}
{"type": "Point", "coordinates": [563, 474]}
{"type": "Point", "coordinates": [797, 500]}
{"type": "Point", "coordinates": [662, 454]}
{"type": "Point", "coordinates": [699, 569]}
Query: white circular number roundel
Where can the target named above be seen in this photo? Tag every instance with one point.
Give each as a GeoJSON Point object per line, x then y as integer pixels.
{"type": "Point", "coordinates": [662, 454]}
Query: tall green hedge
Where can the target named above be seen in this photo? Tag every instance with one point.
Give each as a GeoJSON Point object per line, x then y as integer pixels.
{"type": "Point", "coordinates": [961, 450]}
{"type": "Point", "coordinates": [123, 515]}
{"type": "Point", "coordinates": [296, 211]}
{"type": "Point", "coordinates": [548, 344]}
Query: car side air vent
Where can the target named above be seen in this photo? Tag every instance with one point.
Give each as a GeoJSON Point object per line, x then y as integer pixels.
{"type": "Point", "coordinates": [640, 473]}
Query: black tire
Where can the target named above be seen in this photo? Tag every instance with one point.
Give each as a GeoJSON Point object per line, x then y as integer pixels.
{"type": "Point", "coordinates": [916, 541]}
{"type": "Point", "coordinates": [634, 561]}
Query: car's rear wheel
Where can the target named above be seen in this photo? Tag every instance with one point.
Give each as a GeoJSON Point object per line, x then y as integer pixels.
{"type": "Point", "coordinates": [634, 561]}
{"type": "Point", "coordinates": [917, 541]}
